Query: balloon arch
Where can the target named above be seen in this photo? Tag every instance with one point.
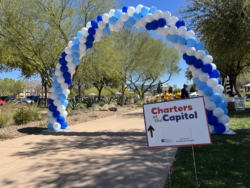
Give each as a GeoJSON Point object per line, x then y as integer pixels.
{"type": "Point", "coordinates": [200, 62]}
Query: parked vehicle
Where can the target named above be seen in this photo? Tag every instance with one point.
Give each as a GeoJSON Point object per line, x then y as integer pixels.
{"type": "Point", "coordinates": [8, 98]}
{"type": "Point", "coordinates": [26, 100]}
{"type": "Point", "coordinates": [2, 102]}
{"type": "Point", "coordinates": [35, 98]}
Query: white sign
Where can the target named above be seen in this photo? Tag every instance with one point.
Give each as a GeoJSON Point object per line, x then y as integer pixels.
{"type": "Point", "coordinates": [177, 123]}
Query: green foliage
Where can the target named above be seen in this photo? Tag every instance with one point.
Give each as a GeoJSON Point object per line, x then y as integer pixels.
{"type": "Point", "coordinates": [193, 87]}
{"type": "Point", "coordinates": [177, 91]}
{"type": "Point", "coordinates": [26, 114]}
{"type": "Point", "coordinates": [10, 87]}
{"type": "Point", "coordinates": [89, 102]}
{"type": "Point", "coordinates": [140, 103]}
{"type": "Point", "coordinates": [75, 105]}
{"type": "Point", "coordinates": [6, 114]}
{"type": "Point", "coordinates": [72, 94]}
{"type": "Point", "coordinates": [101, 104]}
{"type": "Point", "coordinates": [170, 89]}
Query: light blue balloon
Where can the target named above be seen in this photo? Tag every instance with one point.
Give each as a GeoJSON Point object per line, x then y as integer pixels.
{"type": "Point", "coordinates": [172, 38]}
{"type": "Point", "coordinates": [131, 21]}
{"type": "Point", "coordinates": [65, 103]}
{"type": "Point", "coordinates": [106, 31]}
{"type": "Point", "coordinates": [182, 40]}
{"type": "Point", "coordinates": [137, 15]}
{"type": "Point", "coordinates": [79, 33]}
{"type": "Point", "coordinates": [222, 104]}
{"type": "Point", "coordinates": [118, 13]}
{"type": "Point", "coordinates": [58, 90]}
{"type": "Point", "coordinates": [55, 84]}
{"type": "Point", "coordinates": [208, 91]}
{"type": "Point", "coordinates": [112, 20]}
{"type": "Point", "coordinates": [62, 97]}
{"type": "Point", "coordinates": [50, 126]}
{"type": "Point", "coordinates": [225, 111]}
{"type": "Point", "coordinates": [200, 46]}
{"type": "Point", "coordinates": [76, 41]}
{"type": "Point", "coordinates": [144, 11]}
{"type": "Point", "coordinates": [76, 55]}
{"type": "Point", "coordinates": [191, 42]}
{"type": "Point", "coordinates": [216, 97]}
{"type": "Point", "coordinates": [126, 25]}
{"type": "Point", "coordinates": [76, 61]}
{"type": "Point", "coordinates": [153, 9]}
{"type": "Point", "coordinates": [201, 85]}
{"type": "Point", "coordinates": [206, 52]}
{"type": "Point", "coordinates": [196, 80]}
{"type": "Point", "coordinates": [54, 77]}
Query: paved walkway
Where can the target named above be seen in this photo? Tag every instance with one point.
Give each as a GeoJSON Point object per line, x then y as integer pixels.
{"type": "Point", "coordinates": [106, 153]}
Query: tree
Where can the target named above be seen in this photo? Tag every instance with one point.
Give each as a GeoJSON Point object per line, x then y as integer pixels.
{"type": "Point", "coordinates": [193, 87]}
{"type": "Point", "coordinates": [170, 89]}
{"type": "Point", "coordinates": [224, 28]}
{"type": "Point", "coordinates": [177, 91]}
{"type": "Point", "coordinates": [10, 87]}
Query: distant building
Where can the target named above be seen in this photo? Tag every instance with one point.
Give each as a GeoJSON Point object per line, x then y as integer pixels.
{"type": "Point", "coordinates": [175, 86]}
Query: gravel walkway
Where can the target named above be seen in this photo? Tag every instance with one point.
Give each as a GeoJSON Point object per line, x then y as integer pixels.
{"type": "Point", "coordinates": [15, 131]}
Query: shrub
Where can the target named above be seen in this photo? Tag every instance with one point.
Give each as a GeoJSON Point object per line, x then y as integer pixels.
{"type": "Point", "coordinates": [6, 114]}
{"type": "Point", "coordinates": [149, 101]}
{"type": "Point", "coordinates": [75, 105]}
{"type": "Point", "coordinates": [89, 102]}
{"type": "Point", "coordinates": [102, 104]}
{"type": "Point", "coordinates": [26, 114]}
{"type": "Point", "coordinates": [140, 103]}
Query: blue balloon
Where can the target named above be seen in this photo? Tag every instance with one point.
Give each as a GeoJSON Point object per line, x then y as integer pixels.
{"type": "Point", "coordinates": [214, 74]}
{"type": "Point", "coordinates": [225, 111]}
{"type": "Point", "coordinates": [56, 114]}
{"type": "Point", "coordinates": [52, 107]}
{"type": "Point", "coordinates": [208, 91]}
{"type": "Point", "coordinates": [68, 81]}
{"type": "Point", "coordinates": [89, 45]}
{"type": "Point", "coordinates": [62, 61]}
{"type": "Point", "coordinates": [126, 25]}
{"type": "Point", "coordinates": [198, 63]}
{"type": "Point", "coordinates": [148, 26]}
{"type": "Point", "coordinates": [219, 80]}
{"type": "Point", "coordinates": [212, 120]}
{"type": "Point", "coordinates": [182, 40]}
{"type": "Point", "coordinates": [62, 97]}
{"type": "Point", "coordinates": [144, 11]}
{"type": "Point", "coordinates": [137, 15]}
{"type": "Point", "coordinates": [162, 22]}
{"type": "Point", "coordinates": [99, 18]}
{"type": "Point", "coordinates": [67, 75]}
{"type": "Point", "coordinates": [79, 33]}
{"type": "Point", "coordinates": [64, 125]}
{"type": "Point", "coordinates": [112, 20]}
{"type": "Point", "coordinates": [90, 38]}
{"type": "Point", "coordinates": [222, 104]}
{"type": "Point", "coordinates": [216, 97]}
{"type": "Point", "coordinates": [94, 23]}
{"type": "Point", "coordinates": [180, 23]}
{"type": "Point", "coordinates": [63, 54]}
{"type": "Point", "coordinates": [54, 77]}
{"type": "Point", "coordinates": [75, 48]}
{"type": "Point", "coordinates": [154, 25]}
{"type": "Point", "coordinates": [91, 31]}
{"type": "Point", "coordinates": [65, 103]}
{"type": "Point", "coordinates": [199, 46]}
{"type": "Point", "coordinates": [76, 55]}
{"type": "Point", "coordinates": [191, 42]}
{"type": "Point", "coordinates": [58, 90]}
{"type": "Point", "coordinates": [60, 119]}
{"type": "Point", "coordinates": [188, 29]}
{"type": "Point", "coordinates": [106, 31]}
{"type": "Point", "coordinates": [50, 101]}
{"type": "Point", "coordinates": [153, 9]}
{"type": "Point", "coordinates": [190, 60]}
{"type": "Point", "coordinates": [206, 52]}
{"type": "Point", "coordinates": [172, 38]}
{"type": "Point", "coordinates": [196, 80]}
{"type": "Point", "coordinates": [64, 68]}
{"type": "Point", "coordinates": [76, 61]}
{"type": "Point", "coordinates": [220, 128]}
{"type": "Point", "coordinates": [209, 113]}
{"type": "Point", "coordinates": [125, 9]}
{"type": "Point", "coordinates": [201, 85]}
{"type": "Point", "coordinates": [50, 126]}
{"type": "Point", "coordinates": [131, 21]}
{"type": "Point", "coordinates": [185, 56]}
{"type": "Point", "coordinates": [76, 41]}
{"type": "Point", "coordinates": [207, 68]}
{"type": "Point", "coordinates": [55, 84]}
{"type": "Point", "coordinates": [118, 13]}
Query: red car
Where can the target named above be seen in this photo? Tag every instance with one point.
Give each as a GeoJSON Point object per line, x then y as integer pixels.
{"type": "Point", "coordinates": [2, 102]}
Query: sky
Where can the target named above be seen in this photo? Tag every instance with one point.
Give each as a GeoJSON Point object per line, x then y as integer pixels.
{"type": "Point", "coordinates": [164, 5]}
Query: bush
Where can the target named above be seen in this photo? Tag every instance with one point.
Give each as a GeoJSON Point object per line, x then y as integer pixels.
{"type": "Point", "coordinates": [26, 114]}
{"type": "Point", "coordinates": [149, 101]}
{"type": "Point", "coordinates": [140, 103]}
{"type": "Point", "coordinates": [89, 102]}
{"type": "Point", "coordinates": [102, 104]}
{"type": "Point", "coordinates": [6, 115]}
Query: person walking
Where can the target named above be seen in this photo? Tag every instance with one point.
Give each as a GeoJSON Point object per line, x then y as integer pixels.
{"type": "Point", "coordinates": [184, 92]}
{"type": "Point", "coordinates": [165, 96]}
{"type": "Point", "coordinates": [177, 95]}
{"type": "Point", "coordinates": [170, 96]}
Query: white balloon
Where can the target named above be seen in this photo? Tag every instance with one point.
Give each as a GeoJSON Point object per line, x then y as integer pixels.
{"type": "Point", "coordinates": [97, 39]}
{"type": "Point", "coordinates": [58, 72]}
{"type": "Point", "coordinates": [105, 18]}
{"type": "Point", "coordinates": [52, 89]}
{"type": "Point", "coordinates": [159, 31]}
{"type": "Point", "coordinates": [137, 25]}
{"type": "Point", "coordinates": [207, 59]}
{"type": "Point", "coordinates": [191, 68]}
{"type": "Point", "coordinates": [112, 12]}
{"type": "Point", "coordinates": [172, 29]}
{"type": "Point", "coordinates": [69, 58]}
{"type": "Point", "coordinates": [200, 54]}
{"type": "Point", "coordinates": [177, 45]}
{"type": "Point", "coordinates": [88, 25]}
{"type": "Point", "coordinates": [64, 114]}
{"type": "Point", "coordinates": [167, 15]}
{"type": "Point", "coordinates": [70, 44]}
{"type": "Point", "coordinates": [71, 71]}
{"type": "Point", "coordinates": [83, 53]}
{"type": "Point", "coordinates": [84, 31]}
{"type": "Point", "coordinates": [223, 96]}
{"type": "Point", "coordinates": [139, 7]}
{"type": "Point", "coordinates": [99, 32]}
{"type": "Point", "coordinates": [101, 24]}
{"type": "Point", "coordinates": [52, 120]}
{"type": "Point", "coordinates": [149, 17]}
{"type": "Point", "coordinates": [82, 39]}
{"type": "Point", "coordinates": [68, 51]}
{"type": "Point", "coordinates": [53, 96]}
{"type": "Point", "coordinates": [198, 40]}
{"type": "Point", "coordinates": [120, 23]}
{"type": "Point", "coordinates": [66, 92]}
{"type": "Point", "coordinates": [131, 11]}
{"type": "Point", "coordinates": [207, 99]}
{"type": "Point", "coordinates": [61, 108]}
{"type": "Point", "coordinates": [64, 86]}
{"type": "Point", "coordinates": [196, 72]}
{"type": "Point", "coordinates": [165, 31]}
{"type": "Point", "coordinates": [214, 66]}
{"type": "Point", "coordinates": [211, 128]}
{"type": "Point", "coordinates": [182, 49]}
{"type": "Point", "coordinates": [212, 82]}
{"type": "Point", "coordinates": [200, 93]}
{"type": "Point", "coordinates": [71, 65]}
{"type": "Point", "coordinates": [190, 33]}
{"type": "Point", "coordinates": [57, 102]}
{"type": "Point", "coordinates": [223, 119]}
{"type": "Point", "coordinates": [191, 51]}
{"type": "Point", "coordinates": [218, 112]}
{"type": "Point", "coordinates": [158, 14]}
{"type": "Point", "coordinates": [111, 27]}
{"type": "Point", "coordinates": [227, 127]}
{"type": "Point", "coordinates": [172, 20]}
{"type": "Point", "coordinates": [58, 65]}
{"type": "Point", "coordinates": [60, 79]}
{"type": "Point", "coordinates": [116, 29]}
{"type": "Point", "coordinates": [56, 126]}
{"type": "Point", "coordinates": [218, 89]}
{"type": "Point", "coordinates": [124, 17]}
{"type": "Point", "coordinates": [142, 22]}
{"type": "Point", "coordinates": [210, 105]}
{"type": "Point", "coordinates": [49, 114]}
{"type": "Point", "coordinates": [82, 47]}
{"type": "Point", "coordinates": [204, 77]}
{"type": "Point", "coordinates": [182, 30]}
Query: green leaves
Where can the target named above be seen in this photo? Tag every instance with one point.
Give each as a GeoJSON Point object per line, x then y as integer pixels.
{"type": "Point", "coordinates": [10, 87]}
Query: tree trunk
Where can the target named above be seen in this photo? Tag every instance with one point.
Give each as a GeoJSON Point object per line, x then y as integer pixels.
{"type": "Point", "coordinates": [45, 90]}
{"type": "Point", "coordinates": [235, 87]}
{"type": "Point", "coordinates": [123, 92]}
{"type": "Point", "coordinates": [99, 94]}
{"type": "Point", "coordinates": [79, 91]}
{"type": "Point", "coordinates": [42, 91]}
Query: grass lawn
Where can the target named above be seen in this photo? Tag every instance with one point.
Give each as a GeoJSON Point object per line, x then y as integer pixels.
{"type": "Point", "coordinates": [226, 163]}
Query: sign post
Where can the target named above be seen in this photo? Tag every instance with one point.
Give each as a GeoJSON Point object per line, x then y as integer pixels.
{"type": "Point", "coordinates": [177, 123]}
